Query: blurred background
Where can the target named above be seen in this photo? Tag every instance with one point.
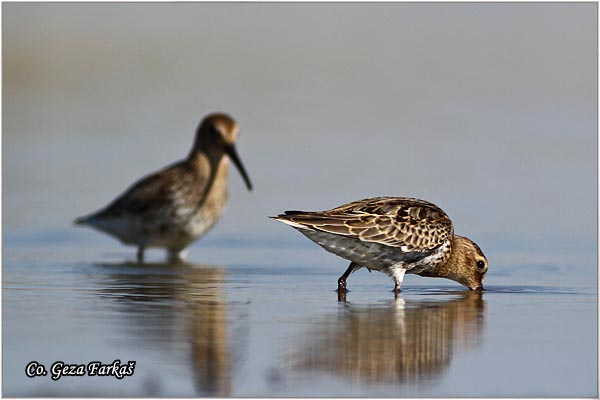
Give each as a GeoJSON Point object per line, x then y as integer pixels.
{"type": "Point", "coordinates": [488, 110]}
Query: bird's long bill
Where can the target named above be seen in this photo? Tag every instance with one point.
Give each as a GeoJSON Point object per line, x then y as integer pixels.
{"type": "Point", "coordinates": [233, 155]}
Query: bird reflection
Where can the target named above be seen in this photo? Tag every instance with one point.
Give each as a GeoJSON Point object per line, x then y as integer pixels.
{"type": "Point", "coordinates": [182, 308]}
{"type": "Point", "coordinates": [402, 342]}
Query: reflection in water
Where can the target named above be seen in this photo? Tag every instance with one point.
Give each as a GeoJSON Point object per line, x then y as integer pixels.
{"type": "Point", "coordinates": [174, 307]}
{"type": "Point", "coordinates": [408, 342]}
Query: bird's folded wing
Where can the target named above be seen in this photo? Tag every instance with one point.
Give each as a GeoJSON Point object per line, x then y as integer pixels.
{"type": "Point", "coordinates": [155, 191]}
{"type": "Point", "coordinates": [405, 223]}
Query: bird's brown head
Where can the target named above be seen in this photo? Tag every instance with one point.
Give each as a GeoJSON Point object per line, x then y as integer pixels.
{"type": "Point", "coordinates": [217, 129]}
{"type": "Point", "coordinates": [217, 134]}
{"type": "Point", "coordinates": [467, 264]}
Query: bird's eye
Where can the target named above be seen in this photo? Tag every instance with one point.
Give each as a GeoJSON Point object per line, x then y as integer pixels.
{"type": "Point", "coordinates": [480, 264]}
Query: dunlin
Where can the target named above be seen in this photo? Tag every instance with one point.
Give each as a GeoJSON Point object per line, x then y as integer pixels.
{"type": "Point", "coordinates": [175, 206]}
{"type": "Point", "coordinates": [394, 235]}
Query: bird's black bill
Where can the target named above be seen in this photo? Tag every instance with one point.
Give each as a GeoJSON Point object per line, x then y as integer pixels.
{"type": "Point", "coordinates": [232, 153]}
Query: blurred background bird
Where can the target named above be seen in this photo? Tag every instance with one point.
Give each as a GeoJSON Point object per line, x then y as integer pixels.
{"type": "Point", "coordinates": [177, 205]}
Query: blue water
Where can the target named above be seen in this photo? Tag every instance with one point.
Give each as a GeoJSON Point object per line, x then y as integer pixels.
{"type": "Point", "coordinates": [275, 327]}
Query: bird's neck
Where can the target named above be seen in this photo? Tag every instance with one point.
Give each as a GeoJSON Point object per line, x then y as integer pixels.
{"type": "Point", "coordinates": [199, 157]}
{"type": "Point", "coordinates": [213, 171]}
{"type": "Point", "coordinates": [451, 269]}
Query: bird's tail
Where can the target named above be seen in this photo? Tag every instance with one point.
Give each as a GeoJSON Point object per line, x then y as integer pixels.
{"type": "Point", "coordinates": [287, 218]}
{"type": "Point", "coordinates": [81, 220]}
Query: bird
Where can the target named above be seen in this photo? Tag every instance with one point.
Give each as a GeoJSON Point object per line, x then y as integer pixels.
{"type": "Point", "coordinates": [393, 235]}
{"type": "Point", "coordinates": [178, 204]}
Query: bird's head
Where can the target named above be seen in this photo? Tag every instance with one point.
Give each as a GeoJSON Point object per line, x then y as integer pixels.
{"type": "Point", "coordinates": [467, 264]}
{"type": "Point", "coordinates": [217, 134]}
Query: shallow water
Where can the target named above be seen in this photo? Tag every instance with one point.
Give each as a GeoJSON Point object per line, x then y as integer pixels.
{"type": "Point", "coordinates": [509, 150]}
{"type": "Point", "coordinates": [279, 329]}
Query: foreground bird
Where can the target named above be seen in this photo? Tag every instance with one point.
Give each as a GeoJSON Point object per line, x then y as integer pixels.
{"type": "Point", "coordinates": [394, 235]}
{"type": "Point", "coordinates": [175, 206]}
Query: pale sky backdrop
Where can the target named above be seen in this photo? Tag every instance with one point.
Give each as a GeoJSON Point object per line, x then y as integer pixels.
{"type": "Point", "coordinates": [487, 109]}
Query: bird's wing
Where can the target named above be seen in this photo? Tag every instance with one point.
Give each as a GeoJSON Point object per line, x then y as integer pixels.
{"type": "Point", "coordinates": [406, 223]}
{"type": "Point", "coordinates": [154, 191]}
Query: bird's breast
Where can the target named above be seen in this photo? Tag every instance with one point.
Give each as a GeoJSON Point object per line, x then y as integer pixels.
{"type": "Point", "coordinates": [430, 264]}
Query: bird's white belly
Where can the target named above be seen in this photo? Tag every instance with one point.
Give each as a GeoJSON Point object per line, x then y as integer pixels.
{"type": "Point", "coordinates": [181, 229]}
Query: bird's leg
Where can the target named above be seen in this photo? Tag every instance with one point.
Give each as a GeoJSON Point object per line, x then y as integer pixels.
{"type": "Point", "coordinates": [140, 254]}
{"type": "Point", "coordinates": [176, 255]}
{"type": "Point", "coordinates": [398, 275]}
{"type": "Point", "coordinates": [342, 280]}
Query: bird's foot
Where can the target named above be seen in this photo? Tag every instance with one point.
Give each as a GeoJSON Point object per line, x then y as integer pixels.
{"type": "Point", "coordinates": [342, 286]}
{"type": "Point", "coordinates": [176, 256]}
{"type": "Point", "coordinates": [140, 255]}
